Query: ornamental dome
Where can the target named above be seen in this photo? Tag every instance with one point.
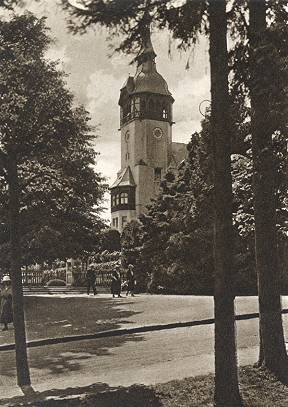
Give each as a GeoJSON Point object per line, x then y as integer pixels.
{"type": "Point", "coordinates": [151, 82]}
{"type": "Point", "coordinates": [147, 79]}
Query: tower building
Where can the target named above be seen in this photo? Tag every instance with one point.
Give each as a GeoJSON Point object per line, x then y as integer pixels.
{"type": "Point", "coordinates": [147, 150]}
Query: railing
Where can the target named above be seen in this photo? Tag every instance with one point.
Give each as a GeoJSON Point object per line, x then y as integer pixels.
{"type": "Point", "coordinates": [103, 274]}
{"type": "Point", "coordinates": [41, 277]}
{"type": "Point", "coordinates": [32, 277]}
{"type": "Point", "coordinates": [103, 278]}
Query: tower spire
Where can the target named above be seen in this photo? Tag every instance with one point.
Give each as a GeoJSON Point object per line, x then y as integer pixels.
{"type": "Point", "coordinates": [147, 51]}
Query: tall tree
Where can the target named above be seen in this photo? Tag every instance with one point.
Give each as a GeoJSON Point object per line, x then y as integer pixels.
{"type": "Point", "coordinates": [226, 377]}
{"type": "Point", "coordinates": [39, 129]}
{"type": "Point", "coordinates": [186, 21]}
{"type": "Point", "coordinates": [273, 350]}
{"type": "Point", "coordinates": [23, 376]}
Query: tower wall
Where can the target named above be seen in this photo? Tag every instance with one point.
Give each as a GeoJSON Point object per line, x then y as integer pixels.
{"type": "Point", "coordinates": [122, 217]}
{"type": "Point", "coordinates": [138, 142]}
{"type": "Point", "coordinates": [145, 190]}
{"type": "Point", "coordinates": [146, 138]}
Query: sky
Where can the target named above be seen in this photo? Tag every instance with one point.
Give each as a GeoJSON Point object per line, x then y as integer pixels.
{"type": "Point", "coordinates": [95, 80]}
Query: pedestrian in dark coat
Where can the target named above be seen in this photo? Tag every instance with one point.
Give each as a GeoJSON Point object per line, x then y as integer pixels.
{"type": "Point", "coordinates": [130, 280]}
{"type": "Point", "coordinates": [91, 280]}
{"type": "Point", "coordinates": [6, 311]}
{"type": "Point", "coordinates": [116, 282]}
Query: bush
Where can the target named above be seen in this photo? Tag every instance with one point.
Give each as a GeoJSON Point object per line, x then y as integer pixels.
{"type": "Point", "coordinates": [180, 278]}
{"type": "Point", "coordinates": [57, 274]}
{"type": "Point", "coordinates": [56, 283]}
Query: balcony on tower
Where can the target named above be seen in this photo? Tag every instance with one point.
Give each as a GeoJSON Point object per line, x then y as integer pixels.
{"type": "Point", "coordinates": [123, 191]}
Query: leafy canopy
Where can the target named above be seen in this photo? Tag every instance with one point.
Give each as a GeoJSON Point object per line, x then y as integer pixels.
{"type": "Point", "coordinates": [52, 143]}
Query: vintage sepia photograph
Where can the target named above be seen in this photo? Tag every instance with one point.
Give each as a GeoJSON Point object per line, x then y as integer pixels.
{"type": "Point", "coordinates": [144, 203]}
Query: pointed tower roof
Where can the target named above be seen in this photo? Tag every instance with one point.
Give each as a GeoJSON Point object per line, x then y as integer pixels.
{"type": "Point", "coordinates": [147, 79]}
{"type": "Point", "coordinates": [124, 179]}
{"type": "Point", "coordinates": [147, 50]}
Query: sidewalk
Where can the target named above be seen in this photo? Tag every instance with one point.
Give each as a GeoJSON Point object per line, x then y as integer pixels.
{"type": "Point", "coordinates": [73, 369]}
{"type": "Point", "coordinates": [143, 358]}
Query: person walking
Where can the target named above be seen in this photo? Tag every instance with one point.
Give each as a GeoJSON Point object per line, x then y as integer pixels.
{"type": "Point", "coordinates": [116, 282]}
{"type": "Point", "coordinates": [130, 280]}
{"type": "Point", "coordinates": [6, 311]}
{"type": "Point", "coordinates": [91, 279]}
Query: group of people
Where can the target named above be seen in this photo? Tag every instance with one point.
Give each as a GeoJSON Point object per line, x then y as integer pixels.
{"type": "Point", "coordinates": [116, 281]}
{"type": "Point", "coordinates": [6, 311]}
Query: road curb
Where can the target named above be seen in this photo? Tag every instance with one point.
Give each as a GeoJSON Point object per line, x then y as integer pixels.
{"type": "Point", "coordinates": [126, 331]}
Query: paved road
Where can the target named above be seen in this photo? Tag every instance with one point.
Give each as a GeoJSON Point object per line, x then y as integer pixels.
{"type": "Point", "coordinates": [139, 358]}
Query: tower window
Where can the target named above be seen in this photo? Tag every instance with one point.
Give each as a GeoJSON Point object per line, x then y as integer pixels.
{"type": "Point", "coordinates": [137, 104]}
{"type": "Point", "coordinates": [127, 156]}
{"type": "Point", "coordinates": [124, 198]}
{"type": "Point", "coordinates": [127, 136]}
{"type": "Point", "coordinates": [164, 114]}
{"type": "Point", "coordinates": [115, 223]}
{"type": "Point", "coordinates": [117, 199]}
{"type": "Point", "coordinates": [157, 174]}
{"type": "Point", "coordinates": [113, 200]}
{"type": "Point", "coordinates": [124, 221]}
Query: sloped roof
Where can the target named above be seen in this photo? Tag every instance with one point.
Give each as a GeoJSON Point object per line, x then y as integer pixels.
{"type": "Point", "coordinates": [151, 82]}
{"type": "Point", "coordinates": [125, 178]}
{"type": "Point", "coordinates": [147, 79]}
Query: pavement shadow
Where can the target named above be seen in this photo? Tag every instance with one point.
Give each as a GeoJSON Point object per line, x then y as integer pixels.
{"type": "Point", "coordinates": [96, 395]}
{"type": "Point", "coordinates": [61, 359]}
{"type": "Point", "coordinates": [48, 317]}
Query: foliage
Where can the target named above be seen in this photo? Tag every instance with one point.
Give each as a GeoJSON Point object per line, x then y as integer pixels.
{"type": "Point", "coordinates": [51, 142]}
{"type": "Point", "coordinates": [131, 240]}
{"type": "Point", "coordinates": [103, 257]}
{"type": "Point", "coordinates": [130, 19]}
{"type": "Point", "coordinates": [172, 247]}
{"type": "Point", "coordinates": [56, 283]}
{"type": "Point", "coordinates": [162, 232]}
{"type": "Point", "coordinates": [48, 275]}
{"type": "Point", "coordinates": [109, 240]}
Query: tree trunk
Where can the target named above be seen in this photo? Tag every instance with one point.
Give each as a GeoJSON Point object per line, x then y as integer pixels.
{"type": "Point", "coordinates": [23, 376]}
{"type": "Point", "coordinates": [273, 351]}
{"type": "Point", "coordinates": [226, 375]}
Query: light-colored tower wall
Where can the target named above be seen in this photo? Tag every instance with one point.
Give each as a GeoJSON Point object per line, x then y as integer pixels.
{"type": "Point", "coordinates": [126, 214]}
{"type": "Point", "coordinates": [139, 143]}
{"type": "Point", "coordinates": [144, 153]}
{"type": "Point", "coordinates": [146, 139]}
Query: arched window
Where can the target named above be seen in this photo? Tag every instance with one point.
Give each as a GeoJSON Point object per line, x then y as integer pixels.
{"type": "Point", "coordinates": [136, 106]}
{"type": "Point", "coordinates": [164, 113]}
{"type": "Point", "coordinates": [124, 198]}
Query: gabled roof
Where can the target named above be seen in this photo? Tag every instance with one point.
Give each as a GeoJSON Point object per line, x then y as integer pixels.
{"type": "Point", "coordinates": [124, 179]}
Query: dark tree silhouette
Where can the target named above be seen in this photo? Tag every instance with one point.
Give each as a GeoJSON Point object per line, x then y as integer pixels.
{"type": "Point", "coordinates": [273, 350]}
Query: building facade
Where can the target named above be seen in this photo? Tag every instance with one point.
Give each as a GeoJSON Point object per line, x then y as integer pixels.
{"type": "Point", "coordinates": [147, 150]}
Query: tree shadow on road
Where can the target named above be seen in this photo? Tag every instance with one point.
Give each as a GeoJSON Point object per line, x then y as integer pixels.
{"type": "Point", "coordinates": [48, 317]}
{"type": "Point", "coordinates": [62, 359]}
{"type": "Point", "coordinates": [96, 395]}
